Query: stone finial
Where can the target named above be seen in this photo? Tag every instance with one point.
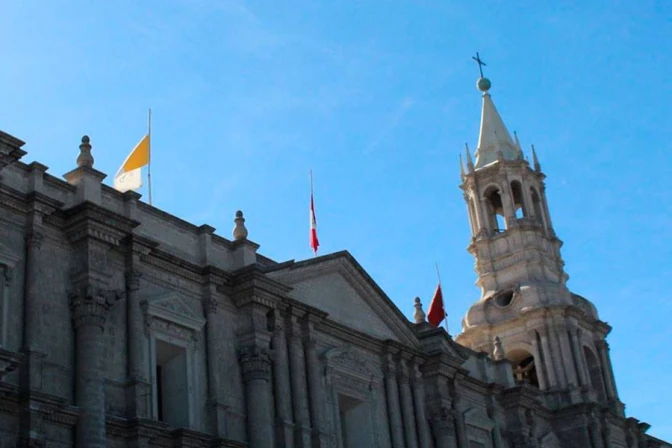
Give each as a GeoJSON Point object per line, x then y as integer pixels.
{"type": "Point", "coordinates": [239, 231]}
{"type": "Point", "coordinates": [535, 160]}
{"type": "Point", "coordinates": [462, 173]}
{"type": "Point", "coordinates": [498, 352]}
{"type": "Point", "coordinates": [85, 159]}
{"type": "Point", "coordinates": [470, 162]}
{"type": "Point", "coordinates": [419, 314]}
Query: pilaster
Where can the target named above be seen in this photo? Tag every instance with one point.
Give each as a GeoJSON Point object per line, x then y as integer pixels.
{"type": "Point", "coordinates": [302, 430]}
{"type": "Point", "coordinates": [284, 428]}
{"type": "Point", "coordinates": [393, 409]}
{"type": "Point", "coordinates": [407, 408]}
{"type": "Point", "coordinates": [418, 384]}
{"type": "Point", "coordinates": [256, 370]}
{"type": "Point", "coordinates": [315, 390]}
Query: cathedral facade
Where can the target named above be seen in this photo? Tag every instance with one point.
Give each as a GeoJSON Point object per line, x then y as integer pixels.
{"type": "Point", "coordinates": [122, 325]}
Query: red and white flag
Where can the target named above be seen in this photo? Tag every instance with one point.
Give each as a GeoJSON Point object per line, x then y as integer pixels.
{"type": "Point", "coordinates": [314, 243]}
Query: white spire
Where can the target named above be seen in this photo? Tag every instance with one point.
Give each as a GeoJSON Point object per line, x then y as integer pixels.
{"type": "Point", "coordinates": [494, 136]}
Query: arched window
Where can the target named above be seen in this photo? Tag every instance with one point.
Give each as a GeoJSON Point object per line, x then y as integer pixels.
{"type": "Point", "coordinates": [536, 205]}
{"type": "Point", "coordinates": [518, 202]}
{"type": "Point", "coordinates": [495, 209]}
{"type": "Point", "coordinates": [595, 373]}
{"type": "Point", "coordinates": [524, 367]}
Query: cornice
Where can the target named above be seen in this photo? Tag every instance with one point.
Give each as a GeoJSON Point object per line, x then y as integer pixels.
{"type": "Point", "coordinates": [88, 220]}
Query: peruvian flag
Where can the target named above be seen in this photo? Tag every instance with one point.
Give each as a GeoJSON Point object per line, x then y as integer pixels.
{"type": "Point", "coordinates": [314, 243]}
{"type": "Point", "coordinates": [436, 311]}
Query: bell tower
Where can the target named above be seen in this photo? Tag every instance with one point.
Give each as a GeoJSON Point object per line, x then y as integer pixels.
{"type": "Point", "coordinates": [553, 338]}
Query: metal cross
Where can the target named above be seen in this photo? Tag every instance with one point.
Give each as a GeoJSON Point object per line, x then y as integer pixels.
{"type": "Point", "coordinates": [480, 63]}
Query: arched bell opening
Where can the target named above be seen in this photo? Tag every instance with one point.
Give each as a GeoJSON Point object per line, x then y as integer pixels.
{"type": "Point", "coordinates": [524, 367]}
{"type": "Point", "coordinates": [493, 199]}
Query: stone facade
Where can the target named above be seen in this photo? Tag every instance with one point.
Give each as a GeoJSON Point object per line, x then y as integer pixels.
{"type": "Point", "coordinates": [121, 325]}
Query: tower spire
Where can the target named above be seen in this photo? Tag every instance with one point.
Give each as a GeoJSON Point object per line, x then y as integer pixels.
{"type": "Point", "coordinates": [535, 160]}
{"type": "Point", "coordinates": [470, 163]}
{"type": "Point", "coordinates": [493, 137]}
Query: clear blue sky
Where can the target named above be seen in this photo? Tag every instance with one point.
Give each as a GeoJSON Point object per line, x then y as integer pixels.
{"type": "Point", "coordinates": [378, 98]}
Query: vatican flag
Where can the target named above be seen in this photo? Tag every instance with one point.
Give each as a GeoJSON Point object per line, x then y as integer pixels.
{"type": "Point", "coordinates": [129, 176]}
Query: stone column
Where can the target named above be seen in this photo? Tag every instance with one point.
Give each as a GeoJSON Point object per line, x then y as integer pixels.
{"type": "Point", "coordinates": [507, 204]}
{"type": "Point", "coordinates": [33, 322]}
{"type": "Point", "coordinates": [556, 354]}
{"type": "Point", "coordinates": [595, 434]}
{"type": "Point", "coordinates": [315, 391]}
{"type": "Point", "coordinates": [542, 373]}
{"type": "Point", "coordinates": [217, 408]}
{"type": "Point", "coordinates": [283, 398]}
{"type": "Point", "coordinates": [548, 360]}
{"type": "Point", "coordinates": [602, 352]}
{"type": "Point", "coordinates": [407, 410]}
{"type": "Point", "coordinates": [138, 350]}
{"type": "Point", "coordinates": [256, 368]}
{"type": "Point", "coordinates": [89, 307]}
{"type": "Point", "coordinates": [297, 365]}
{"type": "Point", "coordinates": [419, 404]}
{"type": "Point", "coordinates": [443, 426]}
{"type": "Point", "coordinates": [568, 360]}
{"type": "Point", "coordinates": [578, 357]}
{"type": "Point", "coordinates": [393, 410]}
{"type": "Point", "coordinates": [460, 426]}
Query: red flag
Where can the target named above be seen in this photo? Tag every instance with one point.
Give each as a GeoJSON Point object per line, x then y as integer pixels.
{"type": "Point", "coordinates": [436, 311]}
{"type": "Point", "coordinates": [314, 243]}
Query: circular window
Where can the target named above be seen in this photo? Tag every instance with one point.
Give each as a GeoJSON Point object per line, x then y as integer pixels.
{"type": "Point", "coordinates": [504, 298]}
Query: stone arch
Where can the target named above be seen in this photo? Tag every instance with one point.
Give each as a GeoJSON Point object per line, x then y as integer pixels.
{"type": "Point", "coordinates": [525, 365]}
{"type": "Point", "coordinates": [492, 195]}
{"type": "Point", "coordinates": [594, 372]}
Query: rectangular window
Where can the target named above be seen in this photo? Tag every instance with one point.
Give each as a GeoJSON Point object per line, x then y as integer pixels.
{"type": "Point", "coordinates": [172, 394]}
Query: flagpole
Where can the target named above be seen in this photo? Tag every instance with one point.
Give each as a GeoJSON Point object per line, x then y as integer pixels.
{"type": "Point", "coordinates": [149, 164]}
{"type": "Point", "coordinates": [445, 315]}
{"type": "Point", "coordinates": [312, 205]}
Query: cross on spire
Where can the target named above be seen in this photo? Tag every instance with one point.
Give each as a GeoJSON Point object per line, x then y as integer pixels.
{"type": "Point", "coordinates": [480, 63]}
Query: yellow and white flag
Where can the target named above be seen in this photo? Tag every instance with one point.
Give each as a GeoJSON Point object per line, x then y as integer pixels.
{"type": "Point", "coordinates": [129, 176]}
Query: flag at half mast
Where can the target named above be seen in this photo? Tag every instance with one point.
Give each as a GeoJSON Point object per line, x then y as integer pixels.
{"type": "Point", "coordinates": [129, 176]}
{"type": "Point", "coordinates": [314, 243]}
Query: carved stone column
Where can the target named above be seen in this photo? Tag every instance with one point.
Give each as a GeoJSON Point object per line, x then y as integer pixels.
{"type": "Point", "coordinates": [393, 410]}
{"type": "Point", "coordinates": [456, 412]}
{"type": "Point", "coordinates": [256, 368]}
{"type": "Point", "coordinates": [595, 434]}
{"type": "Point", "coordinates": [570, 365]}
{"type": "Point", "coordinates": [302, 437]}
{"type": "Point", "coordinates": [283, 398]}
{"type": "Point", "coordinates": [424, 437]}
{"type": "Point", "coordinates": [315, 389]}
{"type": "Point", "coordinates": [217, 407]}
{"type": "Point", "coordinates": [443, 426]}
{"type": "Point", "coordinates": [602, 351]}
{"type": "Point", "coordinates": [542, 373]}
{"type": "Point", "coordinates": [33, 319]}
{"type": "Point", "coordinates": [89, 306]}
{"type": "Point", "coordinates": [407, 410]}
{"type": "Point", "coordinates": [578, 356]}
{"type": "Point", "coordinates": [548, 360]}
{"type": "Point", "coordinates": [138, 364]}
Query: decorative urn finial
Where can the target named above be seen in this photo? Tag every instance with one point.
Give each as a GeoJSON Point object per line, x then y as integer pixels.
{"type": "Point", "coordinates": [239, 231]}
{"type": "Point", "coordinates": [85, 159]}
{"type": "Point", "coordinates": [419, 314]}
{"type": "Point", "coordinates": [498, 352]}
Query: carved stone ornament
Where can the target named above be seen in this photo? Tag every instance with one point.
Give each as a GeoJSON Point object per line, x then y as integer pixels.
{"type": "Point", "coordinates": [89, 305]}
{"type": "Point", "coordinates": [34, 239]}
{"type": "Point", "coordinates": [255, 363]}
{"type": "Point", "coordinates": [133, 279]}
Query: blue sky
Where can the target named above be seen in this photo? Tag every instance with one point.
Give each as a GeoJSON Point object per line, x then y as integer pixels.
{"type": "Point", "coordinates": [378, 98]}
